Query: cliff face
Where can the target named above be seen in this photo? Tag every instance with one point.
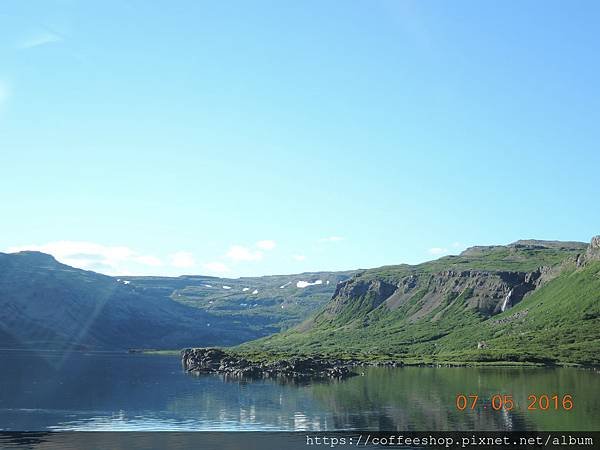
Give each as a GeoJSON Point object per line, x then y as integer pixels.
{"type": "Point", "coordinates": [486, 292]}
{"type": "Point", "coordinates": [361, 295]}
{"type": "Point", "coordinates": [527, 301]}
{"type": "Point", "coordinates": [432, 295]}
{"type": "Point", "coordinates": [593, 251]}
{"type": "Point", "coordinates": [485, 280]}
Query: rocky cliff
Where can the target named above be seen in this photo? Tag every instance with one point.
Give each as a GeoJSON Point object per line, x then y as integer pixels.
{"type": "Point", "coordinates": [487, 292]}
{"type": "Point", "coordinates": [485, 279]}
{"type": "Point", "coordinates": [591, 254]}
{"type": "Point", "coordinates": [534, 301]}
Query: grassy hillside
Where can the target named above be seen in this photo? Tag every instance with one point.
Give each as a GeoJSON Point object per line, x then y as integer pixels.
{"type": "Point", "coordinates": [451, 310]}
{"type": "Point", "coordinates": [559, 321]}
{"type": "Point", "coordinates": [265, 304]}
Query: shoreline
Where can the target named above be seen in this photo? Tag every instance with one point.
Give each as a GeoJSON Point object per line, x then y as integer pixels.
{"type": "Point", "coordinates": [352, 362]}
{"type": "Point", "coordinates": [269, 363]}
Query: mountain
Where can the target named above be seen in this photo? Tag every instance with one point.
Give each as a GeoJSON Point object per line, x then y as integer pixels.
{"type": "Point", "coordinates": [268, 303]}
{"type": "Point", "coordinates": [44, 303]}
{"type": "Point", "coordinates": [530, 301]}
{"type": "Point", "coordinates": [47, 304]}
{"type": "Point", "coordinates": [534, 301]}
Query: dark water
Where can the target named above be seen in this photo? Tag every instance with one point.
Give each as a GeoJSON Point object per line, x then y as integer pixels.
{"type": "Point", "coordinates": [108, 391]}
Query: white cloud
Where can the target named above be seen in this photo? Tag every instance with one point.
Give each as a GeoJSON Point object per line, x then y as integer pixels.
{"type": "Point", "coordinates": [457, 245]}
{"type": "Point", "coordinates": [216, 267]}
{"type": "Point", "coordinates": [148, 260]}
{"type": "Point", "coordinates": [107, 259]}
{"type": "Point", "coordinates": [241, 253]}
{"type": "Point", "coordinates": [182, 259]}
{"type": "Point", "coordinates": [331, 239]}
{"type": "Point", "coordinates": [266, 244]}
{"type": "Point", "coordinates": [437, 251]}
{"type": "Point", "coordinates": [299, 257]}
{"type": "Point", "coordinates": [38, 40]}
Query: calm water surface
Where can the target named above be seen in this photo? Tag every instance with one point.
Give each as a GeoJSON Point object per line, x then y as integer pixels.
{"type": "Point", "coordinates": [111, 391]}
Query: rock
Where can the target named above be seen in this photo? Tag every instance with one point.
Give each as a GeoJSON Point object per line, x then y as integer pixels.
{"type": "Point", "coordinates": [409, 283]}
{"type": "Point", "coordinates": [375, 291]}
{"type": "Point", "coordinates": [516, 316]}
{"type": "Point", "coordinates": [481, 345]}
{"type": "Point", "coordinates": [593, 251]}
{"type": "Point", "coordinates": [211, 360]}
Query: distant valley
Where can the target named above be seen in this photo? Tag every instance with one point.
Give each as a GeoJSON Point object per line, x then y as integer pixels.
{"type": "Point", "coordinates": [266, 304]}
{"type": "Point", "coordinates": [46, 304]}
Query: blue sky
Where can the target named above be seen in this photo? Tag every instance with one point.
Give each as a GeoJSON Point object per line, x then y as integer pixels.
{"type": "Point", "coordinates": [247, 138]}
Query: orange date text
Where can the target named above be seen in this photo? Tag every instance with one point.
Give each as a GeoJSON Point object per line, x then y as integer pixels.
{"type": "Point", "coordinates": [506, 402]}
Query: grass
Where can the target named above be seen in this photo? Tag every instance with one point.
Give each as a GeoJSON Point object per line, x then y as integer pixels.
{"type": "Point", "coordinates": [557, 324]}
{"type": "Point", "coordinates": [277, 305]}
{"type": "Point", "coordinates": [162, 352]}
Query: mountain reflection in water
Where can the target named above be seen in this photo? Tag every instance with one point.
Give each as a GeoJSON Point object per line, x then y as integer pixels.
{"type": "Point", "coordinates": [137, 392]}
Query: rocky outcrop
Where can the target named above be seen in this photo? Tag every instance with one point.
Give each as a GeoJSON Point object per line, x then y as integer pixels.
{"type": "Point", "coordinates": [489, 292]}
{"type": "Point", "coordinates": [536, 244]}
{"type": "Point", "coordinates": [378, 290]}
{"type": "Point", "coordinates": [592, 252]}
{"type": "Point", "coordinates": [369, 293]}
{"type": "Point", "coordinates": [430, 294]}
{"type": "Point", "coordinates": [216, 361]}
{"type": "Point", "coordinates": [448, 286]}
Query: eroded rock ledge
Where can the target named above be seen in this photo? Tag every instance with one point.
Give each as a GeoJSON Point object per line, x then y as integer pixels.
{"type": "Point", "coordinates": [214, 360]}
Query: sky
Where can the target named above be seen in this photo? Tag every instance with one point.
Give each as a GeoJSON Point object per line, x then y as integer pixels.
{"type": "Point", "coordinates": [247, 138]}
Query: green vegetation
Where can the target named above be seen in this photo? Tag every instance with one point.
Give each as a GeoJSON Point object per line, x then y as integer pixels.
{"type": "Point", "coordinates": [45, 304]}
{"type": "Point", "coordinates": [263, 305]}
{"type": "Point", "coordinates": [161, 352]}
{"type": "Point", "coordinates": [531, 302]}
{"type": "Point", "coordinates": [444, 317]}
{"type": "Point", "coordinates": [514, 257]}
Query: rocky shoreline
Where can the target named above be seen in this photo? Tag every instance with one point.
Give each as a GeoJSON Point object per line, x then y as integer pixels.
{"type": "Point", "coordinates": [216, 361]}
{"type": "Point", "coordinates": [211, 360]}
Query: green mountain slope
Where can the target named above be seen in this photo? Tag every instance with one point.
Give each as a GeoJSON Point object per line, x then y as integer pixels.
{"type": "Point", "coordinates": [264, 304]}
{"type": "Point", "coordinates": [531, 301]}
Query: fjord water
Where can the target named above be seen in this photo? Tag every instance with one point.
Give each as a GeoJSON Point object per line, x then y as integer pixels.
{"type": "Point", "coordinates": [119, 391]}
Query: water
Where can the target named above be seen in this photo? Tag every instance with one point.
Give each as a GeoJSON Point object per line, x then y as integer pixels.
{"type": "Point", "coordinates": [135, 392]}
